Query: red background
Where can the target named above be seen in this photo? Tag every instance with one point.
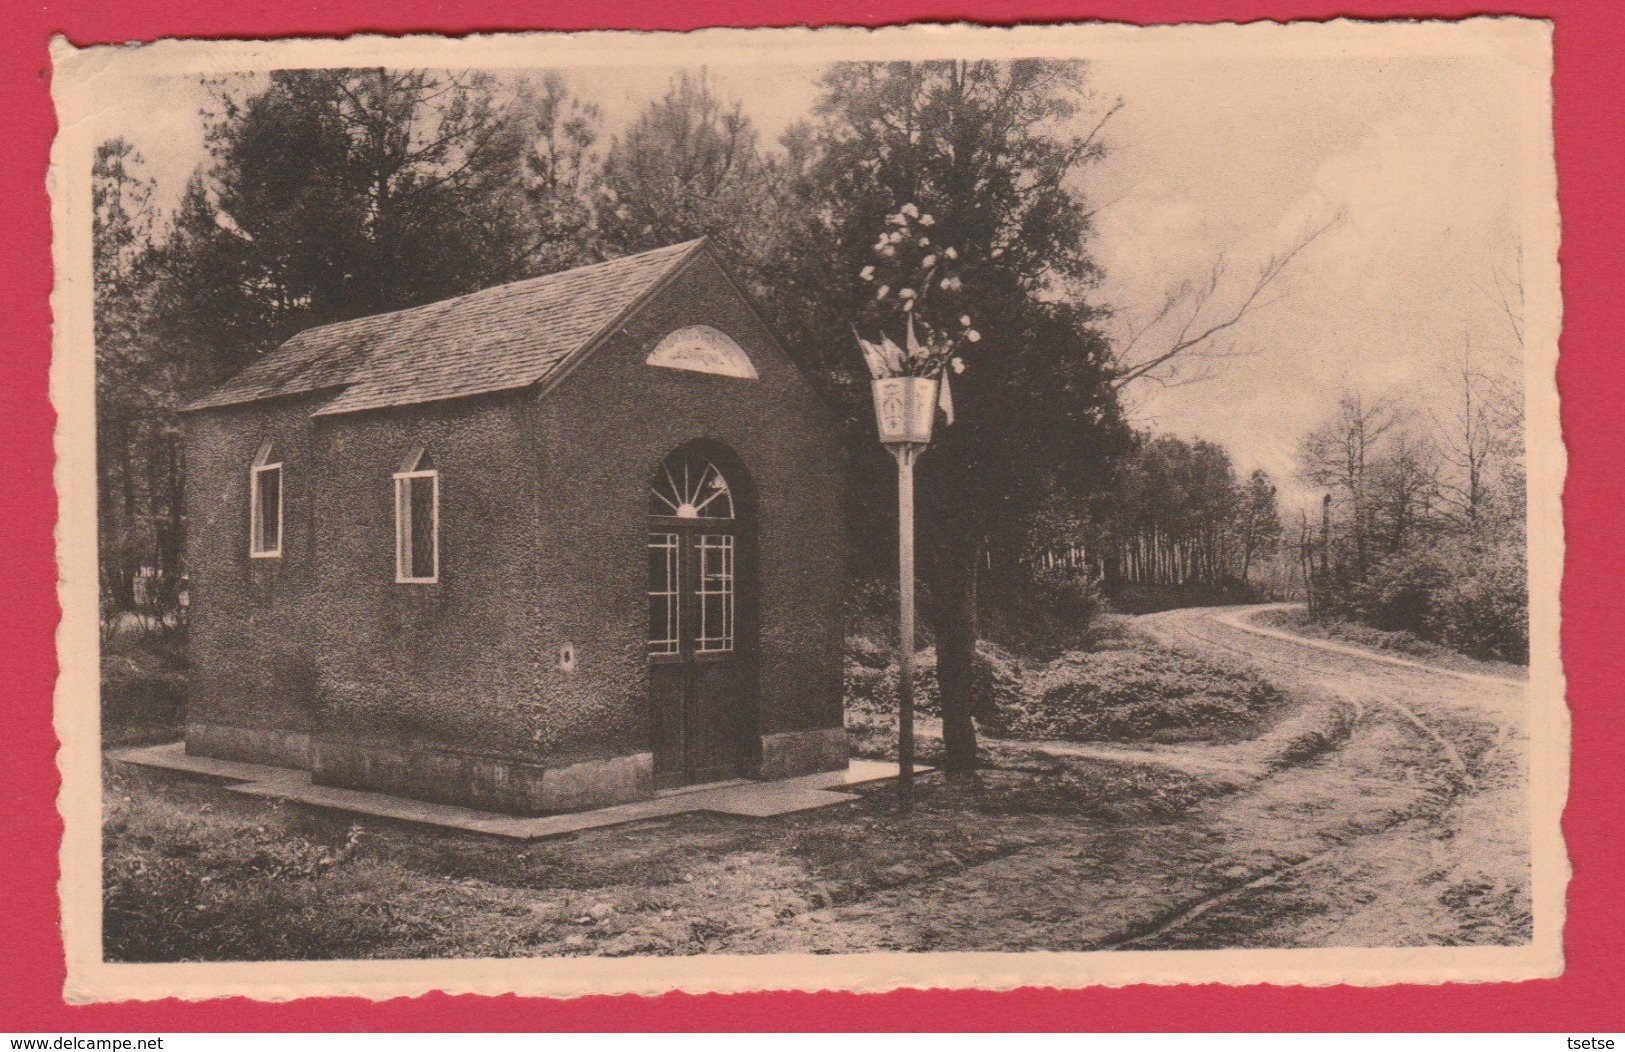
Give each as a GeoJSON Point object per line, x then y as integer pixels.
{"type": "Point", "coordinates": [1590, 96]}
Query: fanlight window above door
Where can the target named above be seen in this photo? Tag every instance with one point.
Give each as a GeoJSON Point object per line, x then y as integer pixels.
{"type": "Point", "coordinates": [690, 487]}
{"type": "Point", "coordinates": [702, 349]}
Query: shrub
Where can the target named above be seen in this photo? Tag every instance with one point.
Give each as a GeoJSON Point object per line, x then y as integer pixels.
{"type": "Point", "coordinates": [1399, 593]}
{"type": "Point", "coordinates": [869, 652]}
{"type": "Point", "coordinates": [1041, 612]}
{"type": "Point", "coordinates": [1471, 597]}
{"type": "Point", "coordinates": [871, 685]}
{"type": "Point", "coordinates": [1484, 612]}
{"type": "Point", "coordinates": [996, 684]}
{"type": "Point", "coordinates": [1141, 693]}
{"type": "Point", "coordinates": [1129, 690]}
{"type": "Point", "coordinates": [143, 695]}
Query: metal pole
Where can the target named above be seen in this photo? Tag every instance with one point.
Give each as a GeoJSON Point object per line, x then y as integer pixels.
{"type": "Point", "coordinates": [905, 626]}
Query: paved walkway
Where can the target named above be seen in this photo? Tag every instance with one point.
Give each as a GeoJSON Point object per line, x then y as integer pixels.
{"type": "Point", "coordinates": [738, 797]}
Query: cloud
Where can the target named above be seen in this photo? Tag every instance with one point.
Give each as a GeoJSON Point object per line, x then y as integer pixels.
{"type": "Point", "coordinates": [1413, 155]}
{"type": "Point", "coordinates": [1149, 242]}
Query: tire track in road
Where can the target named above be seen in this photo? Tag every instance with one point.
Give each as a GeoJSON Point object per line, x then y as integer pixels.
{"type": "Point", "coordinates": [1201, 628]}
{"type": "Point", "coordinates": [1236, 619]}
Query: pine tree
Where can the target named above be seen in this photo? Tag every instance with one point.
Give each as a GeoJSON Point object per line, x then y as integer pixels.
{"type": "Point", "coordinates": [334, 194]}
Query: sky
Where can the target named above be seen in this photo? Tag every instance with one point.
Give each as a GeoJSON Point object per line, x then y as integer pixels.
{"type": "Point", "coordinates": [1214, 154]}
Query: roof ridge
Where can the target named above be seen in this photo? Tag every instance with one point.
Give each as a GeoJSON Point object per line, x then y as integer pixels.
{"type": "Point", "coordinates": [464, 297]}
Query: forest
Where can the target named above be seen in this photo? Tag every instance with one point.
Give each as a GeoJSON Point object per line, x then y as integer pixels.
{"type": "Point", "coordinates": [1422, 525]}
{"type": "Point", "coordinates": [337, 193]}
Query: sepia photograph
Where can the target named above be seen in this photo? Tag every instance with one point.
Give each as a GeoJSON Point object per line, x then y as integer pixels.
{"type": "Point", "coordinates": [810, 509]}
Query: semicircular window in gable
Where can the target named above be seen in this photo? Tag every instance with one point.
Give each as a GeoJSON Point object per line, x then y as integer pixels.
{"type": "Point", "coordinates": [702, 349]}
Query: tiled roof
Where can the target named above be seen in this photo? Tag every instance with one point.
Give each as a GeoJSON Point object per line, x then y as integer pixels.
{"type": "Point", "coordinates": [494, 340]}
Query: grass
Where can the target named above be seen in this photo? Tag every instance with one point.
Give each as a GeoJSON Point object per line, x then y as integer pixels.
{"type": "Point", "coordinates": [193, 872]}
{"type": "Point", "coordinates": [1402, 643]}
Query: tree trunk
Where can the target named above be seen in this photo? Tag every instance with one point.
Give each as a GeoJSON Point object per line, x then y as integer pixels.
{"type": "Point", "coordinates": [952, 612]}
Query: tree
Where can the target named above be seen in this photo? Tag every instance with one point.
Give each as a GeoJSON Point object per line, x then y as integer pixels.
{"type": "Point", "coordinates": [1197, 318]}
{"type": "Point", "coordinates": [991, 152]}
{"type": "Point", "coordinates": [1339, 455]}
{"type": "Point", "coordinates": [1468, 440]}
{"type": "Point", "coordinates": [141, 377]}
{"type": "Point", "coordinates": [1404, 488]}
{"type": "Point", "coordinates": [1177, 518]}
{"type": "Point", "coordinates": [688, 167]}
{"type": "Point", "coordinates": [121, 247]}
{"type": "Point", "coordinates": [562, 169]}
{"type": "Point", "coordinates": [340, 193]}
{"type": "Point", "coordinates": [1258, 523]}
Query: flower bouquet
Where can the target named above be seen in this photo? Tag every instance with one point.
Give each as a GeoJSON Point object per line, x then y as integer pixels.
{"type": "Point", "coordinates": [918, 289]}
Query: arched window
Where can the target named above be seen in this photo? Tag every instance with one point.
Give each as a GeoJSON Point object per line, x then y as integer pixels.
{"type": "Point", "coordinates": [690, 487]}
{"type": "Point", "coordinates": [692, 548]}
{"type": "Point", "coordinates": [417, 520]}
{"type": "Point", "coordinates": [702, 349]}
{"type": "Point", "coordinates": [265, 504]}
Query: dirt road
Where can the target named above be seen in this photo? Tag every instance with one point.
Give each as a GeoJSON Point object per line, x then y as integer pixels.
{"type": "Point", "coordinates": [1431, 782]}
{"type": "Point", "coordinates": [1387, 809]}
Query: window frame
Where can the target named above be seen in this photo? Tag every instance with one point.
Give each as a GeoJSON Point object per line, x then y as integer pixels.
{"type": "Point", "coordinates": [403, 523]}
{"type": "Point", "coordinates": [672, 598]}
{"type": "Point", "coordinates": [719, 585]}
{"type": "Point", "coordinates": [256, 527]}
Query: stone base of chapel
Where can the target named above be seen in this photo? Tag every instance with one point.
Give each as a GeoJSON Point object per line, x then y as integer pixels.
{"type": "Point", "coordinates": [797, 753]}
{"type": "Point", "coordinates": [271, 746]}
{"type": "Point", "coordinates": [490, 783]}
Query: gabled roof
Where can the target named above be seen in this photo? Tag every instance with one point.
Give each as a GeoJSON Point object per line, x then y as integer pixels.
{"type": "Point", "coordinates": [497, 339]}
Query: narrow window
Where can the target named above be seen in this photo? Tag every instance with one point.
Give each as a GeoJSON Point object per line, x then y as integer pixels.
{"type": "Point", "coordinates": [665, 594]}
{"type": "Point", "coordinates": [265, 505]}
{"type": "Point", "coordinates": [417, 521]}
{"type": "Point", "coordinates": [716, 593]}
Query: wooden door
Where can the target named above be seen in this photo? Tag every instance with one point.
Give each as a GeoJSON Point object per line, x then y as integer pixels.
{"type": "Point", "coordinates": [699, 659]}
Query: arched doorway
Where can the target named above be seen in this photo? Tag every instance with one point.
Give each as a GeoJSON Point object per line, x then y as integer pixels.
{"type": "Point", "coordinates": [701, 616]}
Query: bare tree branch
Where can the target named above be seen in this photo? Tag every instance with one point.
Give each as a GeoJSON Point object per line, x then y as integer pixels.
{"type": "Point", "coordinates": [1198, 330]}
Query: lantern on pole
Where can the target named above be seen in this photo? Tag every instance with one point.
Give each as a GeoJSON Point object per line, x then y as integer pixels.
{"type": "Point", "coordinates": [905, 409]}
{"type": "Point", "coordinates": [916, 288]}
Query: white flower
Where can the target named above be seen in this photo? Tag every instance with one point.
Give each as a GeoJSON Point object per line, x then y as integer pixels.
{"type": "Point", "coordinates": [905, 294]}
{"type": "Point", "coordinates": [997, 253]}
{"type": "Point", "coordinates": [910, 211]}
{"type": "Point", "coordinates": [881, 292]}
{"type": "Point", "coordinates": [950, 253]}
{"type": "Point", "coordinates": [888, 251]}
{"type": "Point", "coordinates": [964, 319]}
{"type": "Point", "coordinates": [928, 262]}
{"type": "Point", "coordinates": [958, 364]}
{"type": "Point", "coordinates": [924, 241]}
{"type": "Point", "coordinates": [867, 273]}
{"type": "Point", "coordinates": [909, 305]}
{"type": "Point", "coordinates": [973, 336]}
{"type": "Point", "coordinates": [926, 220]}
{"type": "Point", "coordinates": [896, 220]}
